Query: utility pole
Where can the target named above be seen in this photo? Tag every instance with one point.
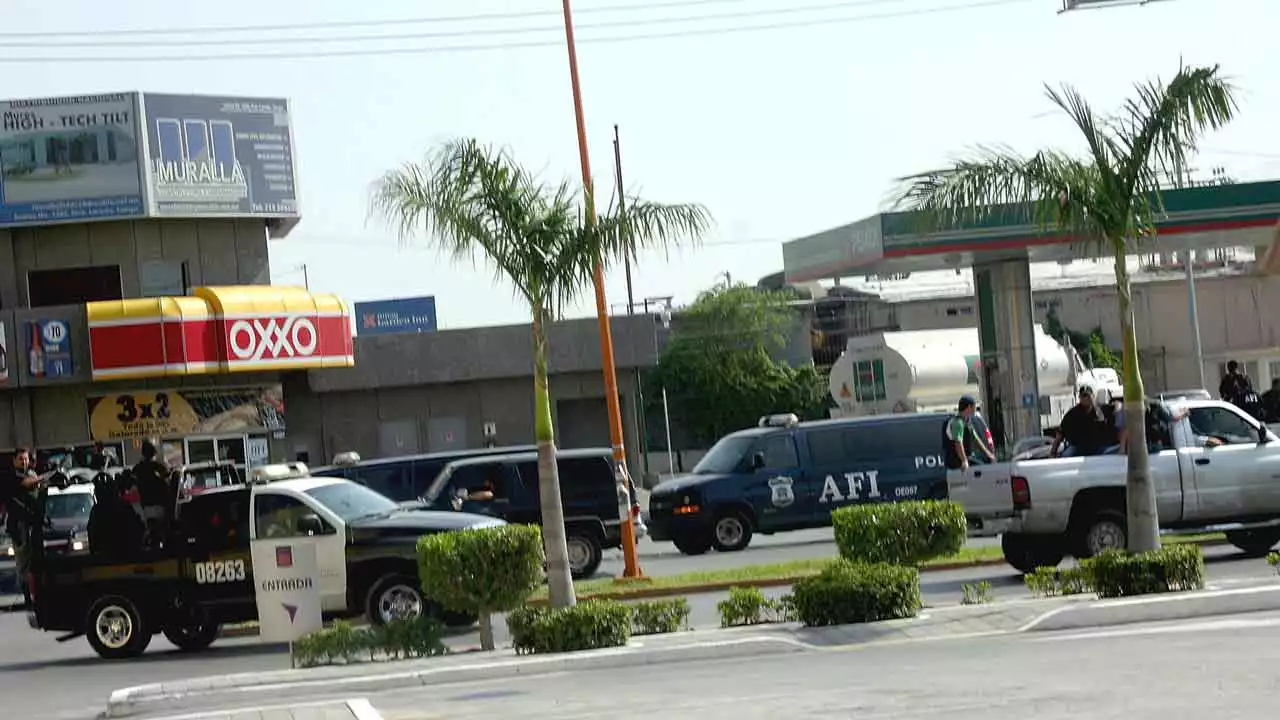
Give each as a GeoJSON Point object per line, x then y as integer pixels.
{"type": "Point", "coordinates": [1193, 306]}
{"type": "Point", "coordinates": [639, 414]}
{"type": "Point", "coordinates": [630, 561]}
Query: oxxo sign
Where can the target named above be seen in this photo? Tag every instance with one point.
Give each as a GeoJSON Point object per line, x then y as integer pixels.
{"type": "Point", "coordinates": [272, 338]}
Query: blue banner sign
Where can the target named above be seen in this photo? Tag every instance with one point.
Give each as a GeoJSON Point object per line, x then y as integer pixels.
{"type": "Point", "coordinates": [69, 159]}
{"type": "Point", "coordinates": [49, 349]}
{"type": "Point", "coordinates": [220, 156]}
{"type": "Point", "coordinates": [402, 315]}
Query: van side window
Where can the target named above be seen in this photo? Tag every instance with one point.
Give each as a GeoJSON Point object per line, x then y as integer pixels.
{"type": "Point", "coordinates": [779, 451]}
{"type": "Point", "coordinates": [390, 479]}
{"type": "Point", "coordinates": [826, 447]}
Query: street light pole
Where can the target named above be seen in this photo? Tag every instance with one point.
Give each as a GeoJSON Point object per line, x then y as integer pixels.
{"type": "Point", "coordinates": [631, 565]}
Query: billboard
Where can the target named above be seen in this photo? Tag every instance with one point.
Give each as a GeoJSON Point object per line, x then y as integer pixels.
{"type": "Point", "coordinates": [69, 159]}
{"type": "Point", "coordinates": [219, 156]}
{"type": "Point", "coordinates": [402, 315]}
{"type": "Point", "coordinates": [49, 350]}
{"type": "Point", "coordinates": [174, 413]}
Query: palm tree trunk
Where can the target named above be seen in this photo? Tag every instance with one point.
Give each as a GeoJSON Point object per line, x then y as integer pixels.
{"type": "Point", "coordinates": [559, 578]}
{"type": "Point", "coordinates": [1140, 490]}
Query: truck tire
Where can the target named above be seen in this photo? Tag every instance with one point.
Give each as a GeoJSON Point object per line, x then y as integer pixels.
{"type": "Point", "coordinates": [116, 628]}
{"type": "Point", "coordinates": [585, 552]}
{"type": "Point", "coordinates": [1102, 530]}
{"type": "Point", "coordinates": [1254, 543]}
{"type": "Point", "coordinates": [1028, 553]}
{"type": "Point", "coordinates": [192, 638]}
{"type": "Point", "coordinates": [394, 597]}
{"type": "Point", "coordinates": [694, 543]}
{"type": "Point", "coordinates": [731, 532]}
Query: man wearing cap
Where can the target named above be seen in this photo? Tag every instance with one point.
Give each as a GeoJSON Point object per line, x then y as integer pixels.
{"type": "Point", "coordinates": [957, 434]}
{"type": "Point", "coordinates": [1084, 428]}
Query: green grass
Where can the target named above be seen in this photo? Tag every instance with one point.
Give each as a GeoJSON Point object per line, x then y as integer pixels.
{"type": "Point", "coordinates": [774, 573]}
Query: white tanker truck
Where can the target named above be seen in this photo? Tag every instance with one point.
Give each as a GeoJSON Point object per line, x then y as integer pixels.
{"type": "Point", "coordinates": [928, 370]}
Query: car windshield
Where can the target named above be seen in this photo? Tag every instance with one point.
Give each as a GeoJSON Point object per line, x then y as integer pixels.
{"type": "Point", "coordinates": [69, 506]}
{"type": "Point", "coordinates": [725, 456]}
{"type": "Point", "coordinates": [351, 501]}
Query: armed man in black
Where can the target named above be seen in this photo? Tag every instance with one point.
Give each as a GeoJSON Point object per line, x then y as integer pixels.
{"type": "Point", "coordinates": [152, 477]}
{"type": "Point", "coordinates": [18, 496]}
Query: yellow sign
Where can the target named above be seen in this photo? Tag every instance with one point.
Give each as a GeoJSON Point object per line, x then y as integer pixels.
{"type": "Point", "coordinates": [141, 414]}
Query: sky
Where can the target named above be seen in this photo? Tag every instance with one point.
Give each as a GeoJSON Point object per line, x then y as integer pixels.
{"type": "Point", "coordinates": [782, 118]}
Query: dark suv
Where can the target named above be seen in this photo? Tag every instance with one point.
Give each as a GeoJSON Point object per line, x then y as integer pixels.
{"type": "Point", "coordinates": [506, 487]}
{"type": "Point", "coordinates": [407, 477]}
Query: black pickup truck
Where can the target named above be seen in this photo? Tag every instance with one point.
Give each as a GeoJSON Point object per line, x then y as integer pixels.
{"type": "Point", "coordinates": [202, 575]}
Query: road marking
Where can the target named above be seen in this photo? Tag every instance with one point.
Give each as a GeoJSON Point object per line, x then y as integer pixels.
{"type": "Point", "coordinates": [363, 709]}
{"type": "Point", "coordinates": [1184, 627]}
{"type": "Point", "coordinates": [360, 708]}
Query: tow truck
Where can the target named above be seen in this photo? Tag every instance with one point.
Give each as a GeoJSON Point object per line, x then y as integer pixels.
{"type": "Point", "coordinates": [201, 575]}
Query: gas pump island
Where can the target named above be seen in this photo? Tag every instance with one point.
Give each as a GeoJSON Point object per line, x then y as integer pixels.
{"type": "Point", "coordinates": [1001, 249]}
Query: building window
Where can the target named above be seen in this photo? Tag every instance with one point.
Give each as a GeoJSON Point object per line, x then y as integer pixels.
{"type": "Point", "coordinates": [1048, 304]}
{"type": "Point", "coordinates": [962, 310]}
{"type": "Point", "coordinates": [868, 377]}
{"type": "Point", "coordinates": [73, 286]}
{"type": "Point", "coordinates": [163, 278]}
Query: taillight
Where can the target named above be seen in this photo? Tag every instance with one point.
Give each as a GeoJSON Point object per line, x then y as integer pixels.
{"type": "Point", "coordinates": [1021, 491]}
{"type": "Point", "coordinates": [991, 443]}
{"type": "Point", "coordinates": [635, 511]}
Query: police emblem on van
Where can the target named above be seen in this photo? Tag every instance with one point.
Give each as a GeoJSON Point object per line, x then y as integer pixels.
{"type": "Point", "coordinates": [783, 495]}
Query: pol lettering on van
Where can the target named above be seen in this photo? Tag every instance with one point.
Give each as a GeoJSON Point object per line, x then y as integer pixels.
{"type": "Point", "coordinates": [930, 461]}
{"type": "Point", "coordinates": [855, 482]}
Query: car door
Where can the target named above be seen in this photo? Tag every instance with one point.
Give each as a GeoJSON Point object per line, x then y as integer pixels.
{"type": "Point", "coordinates": [280, 516]}
{"type": "Point", "coordinates": [214, 528]}
{"type": "Point", "coordinates": [1237, 478]}
{"type": "Point", "coordinates": [776, 484]}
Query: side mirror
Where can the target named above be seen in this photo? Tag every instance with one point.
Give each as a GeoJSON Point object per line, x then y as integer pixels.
{"type": "Point", "coordinates": [1264, 437]}
{"type": "Point", "coordinates": [757, 461]}
{"type": "Point", "coordinates": [311, 525]}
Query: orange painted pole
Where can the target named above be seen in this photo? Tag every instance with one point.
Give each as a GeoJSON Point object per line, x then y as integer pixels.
{"type": "Point", "coordinates": [631, 567]}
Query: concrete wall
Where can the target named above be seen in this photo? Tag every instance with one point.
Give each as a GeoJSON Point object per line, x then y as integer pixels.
{"type": "Point", "coordinates": [217, 252]}
{"type": "Point", "coordinates": [1237, 320]}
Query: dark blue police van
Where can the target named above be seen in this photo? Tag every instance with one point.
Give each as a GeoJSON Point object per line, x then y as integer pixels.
{"type": "Point", "coordinates": [789, 475]}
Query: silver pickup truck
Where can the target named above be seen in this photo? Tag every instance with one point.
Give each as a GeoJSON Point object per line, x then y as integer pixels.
{"type": "Point", "coordinates": [1221, 475]}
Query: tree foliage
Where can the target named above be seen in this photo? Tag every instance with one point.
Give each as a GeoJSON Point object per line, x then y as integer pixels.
{"type": "Point", "coordinates": [1092, 346]}
{"type": "Point", "coordinates": [719, 368]}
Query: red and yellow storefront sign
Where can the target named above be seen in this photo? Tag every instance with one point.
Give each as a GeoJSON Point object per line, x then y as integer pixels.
{"type": "Point", "coordinates": [219, 330]}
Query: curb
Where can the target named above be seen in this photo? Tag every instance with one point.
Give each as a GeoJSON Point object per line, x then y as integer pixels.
{"type": "Point", "coordinates": [225, 689]}
{"type": "Point", "coordinates": [1171, 607]}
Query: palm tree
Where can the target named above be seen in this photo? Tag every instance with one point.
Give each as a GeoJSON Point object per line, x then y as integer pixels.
{"type": "Point", "coordinates": [473, 199]}
{"type": "Point", "coordinates": [1108, 197]}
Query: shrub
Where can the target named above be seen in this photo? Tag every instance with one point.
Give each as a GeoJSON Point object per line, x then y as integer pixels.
{"type": "Point", "coordinates": [848, 592]}
{"type": "Point", "coordinates": [749, 606]}
{"type": "Point", "coordinates": [1273, 559]}
{"type": "Point", "coordinates": [1115, 573]}
{"type": "Point", "coordinates": [659, 616]}
{"type": "Point", "coordinates": [342, 642]}
{"type": "Point", "coordinates": [585, 626]}
{"type": "Point", "coordinates": [905, 533]}
{"type": "Point", "coordinates": [976, 593]}
{"type": "Point", "coordinates": [1048, 582]}
{"type": "Point", "coordinates": [481, 571]}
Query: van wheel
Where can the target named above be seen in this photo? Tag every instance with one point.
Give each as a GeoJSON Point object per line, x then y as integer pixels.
{"type": "Point", "coordinates": [1105, 530]}
{"type": "Point", "coordinates": [192, 638]}
{"type": "Point", "coordinates": [585, 553]}
{"type": "Point", "coordinates": [1028, 553]}
{"type": "Point", "coordinates": [695, 543]}
{"type": "Point", "coordinates": [731, 531]}
{"type": "Point", "coordinates": [394, 597]}
{"type": "Point", "coordinates": [1254, 543]}
{"type": "Point", "coordinates": [116, 628]}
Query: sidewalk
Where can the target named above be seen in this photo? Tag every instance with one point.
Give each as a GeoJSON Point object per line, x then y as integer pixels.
{"type": "Point", "coordinates": [357, 709]}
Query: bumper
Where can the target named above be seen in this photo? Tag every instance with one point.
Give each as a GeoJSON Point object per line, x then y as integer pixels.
{"type": "Point", "coordinates": [989, 527]}
{"type": "Point", "coordinates": [664, 528]}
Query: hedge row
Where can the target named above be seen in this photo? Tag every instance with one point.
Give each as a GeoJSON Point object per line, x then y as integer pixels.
{"type": "Point", "coordinates": [343, 643]}
{"type": "Point", "coordinates": [593, 624]}
{"type": "Point", "coordinates": [850, 592]}
{"type": "Point", "coordinates": [905, 533]}
{"type": "Point", "coordinates": [1116, 573]}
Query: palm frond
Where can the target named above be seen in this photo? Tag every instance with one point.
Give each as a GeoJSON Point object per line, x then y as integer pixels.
{"type": "Point", "coordinates": [1050, 190]}
{"type": "Point", "coordinates": [1102, 147]}
{"type": "Point", "coordinates": [650, 225]}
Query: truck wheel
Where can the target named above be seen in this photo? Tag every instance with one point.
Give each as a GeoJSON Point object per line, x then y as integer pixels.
{"type": "Point", "coordinates": [1254, 543]}
{"type": "Point", "coordinates": [695, 543]}
{"type": "Point", "coordinates": [1028, 553]}
{"type": "Point", "coordinates": [731, 531]}
{"type": "Point", "coordinates": [394, 597]}
{"type": "Point", "coordinates": [585, 553]}
{"type": "Point", "coordinates": [192, 638]}
{"type": "Point", "coordinates": [116, 628]}
{"type": "Point", "coordinates": [1104, 530]}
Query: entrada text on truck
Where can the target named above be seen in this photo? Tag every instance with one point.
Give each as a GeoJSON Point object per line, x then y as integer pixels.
{"type": "Point", "coordinates": [789, 475]}
{"type": "Point", "coordinates": [1221, 472]}
{"type": "Point", "coordinates": [203, 576]}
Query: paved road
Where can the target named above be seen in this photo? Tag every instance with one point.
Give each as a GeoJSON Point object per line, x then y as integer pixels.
{"type": "Point", "coordinates": [72, 683]}
{"type": "Point", "coordinates": [1220, 668]}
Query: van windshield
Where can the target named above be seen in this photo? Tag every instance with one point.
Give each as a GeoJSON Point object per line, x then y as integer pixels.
{"type": "Point", "coordinates": [725, 456]}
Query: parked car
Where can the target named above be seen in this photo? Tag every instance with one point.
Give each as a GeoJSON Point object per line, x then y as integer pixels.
{"type": "Point", "coordinates": [406, 478]}
{"type": "Point", "coordinates": [1218, 474]}
{"type": "Point", "coordinates": [589, 492]}
{"type": "Point", "coordinates": [788, 475]}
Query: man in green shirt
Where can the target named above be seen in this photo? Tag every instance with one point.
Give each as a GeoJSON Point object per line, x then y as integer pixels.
{"type": "Point", "coordinates": [959, 436]}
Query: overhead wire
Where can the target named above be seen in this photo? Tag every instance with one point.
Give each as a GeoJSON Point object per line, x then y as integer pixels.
{"type": "Point", "coordinates": [435, 49]}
